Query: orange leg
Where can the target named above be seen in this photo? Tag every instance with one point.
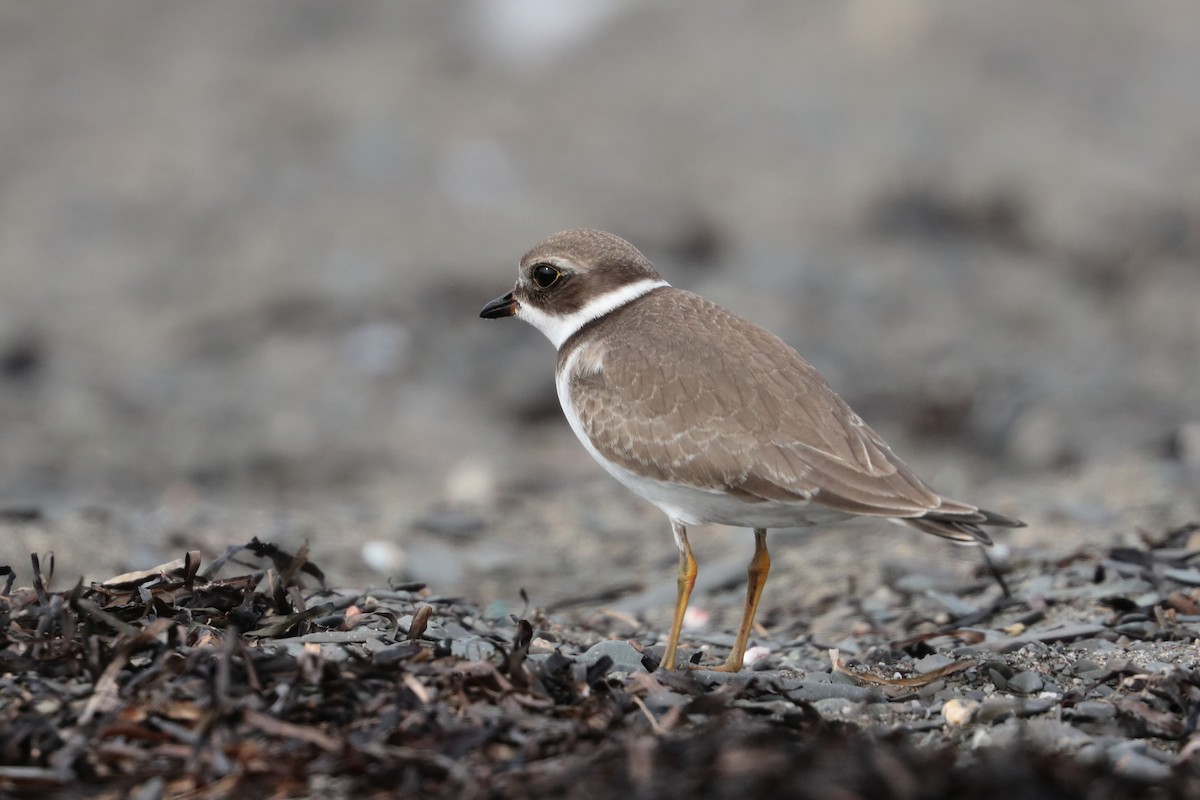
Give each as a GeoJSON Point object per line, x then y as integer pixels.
{"type": "Point", "coordinates": [756, 579]}
{"type": "Point", "coordinates": [684, 584]}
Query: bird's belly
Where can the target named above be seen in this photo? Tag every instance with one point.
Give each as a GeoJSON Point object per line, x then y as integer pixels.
{"type": "Point", "coordinates": [693, 506]}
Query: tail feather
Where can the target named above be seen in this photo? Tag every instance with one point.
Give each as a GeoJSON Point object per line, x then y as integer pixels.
{"type": "Point", "coordinates": [963, 528]}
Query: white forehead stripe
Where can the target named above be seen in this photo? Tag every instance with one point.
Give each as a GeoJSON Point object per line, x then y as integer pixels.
{"type": "Point", "coordinates": [560, 328]}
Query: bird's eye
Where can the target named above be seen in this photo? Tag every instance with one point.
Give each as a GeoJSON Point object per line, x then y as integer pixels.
{"type": "Point", "coordinates": [545, 275]}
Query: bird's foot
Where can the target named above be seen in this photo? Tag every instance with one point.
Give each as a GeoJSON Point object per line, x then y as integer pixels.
{"type": "Point", "coordinates": [730, 664]}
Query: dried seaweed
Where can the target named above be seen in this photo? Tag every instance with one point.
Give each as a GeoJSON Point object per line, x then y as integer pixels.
{"type": "Point", "coordinates": [253, 677]}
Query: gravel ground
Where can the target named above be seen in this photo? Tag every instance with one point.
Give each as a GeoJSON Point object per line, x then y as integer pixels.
{"type": "Point", "coordinates": [244, 250]}
{"type": "Point", "coordinates": [1077, 675]}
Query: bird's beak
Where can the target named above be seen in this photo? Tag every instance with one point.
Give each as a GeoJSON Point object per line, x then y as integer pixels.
{"type": "Point", "coordinates": [500, 307]}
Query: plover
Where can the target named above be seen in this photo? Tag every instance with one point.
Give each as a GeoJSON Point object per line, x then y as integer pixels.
{"type": "Point", "coordinates": [708, 416]}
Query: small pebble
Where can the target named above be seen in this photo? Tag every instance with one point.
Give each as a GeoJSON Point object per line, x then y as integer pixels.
{"type": "Point", "coordinates": [540, 645]}
{"type": "Point", "coordinates": [959, 712]}
{"type": "Point", "coordinates": [470, 482]}
{"type": "Point", "coordinates": [696, 619]}
{"type": "Point", "coordinates": [382, 556]}
{"type": "Point", "coordinates": [47, 706]}
{"type": "Point", "coordinates": [756, 654]}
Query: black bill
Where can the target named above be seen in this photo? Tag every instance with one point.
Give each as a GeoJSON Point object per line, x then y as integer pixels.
{"type": "Point", "coordinates": [500, 307]}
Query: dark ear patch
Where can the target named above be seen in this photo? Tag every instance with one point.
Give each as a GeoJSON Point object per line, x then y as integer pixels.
{"type": "Point", "coordinates": [590, 263]}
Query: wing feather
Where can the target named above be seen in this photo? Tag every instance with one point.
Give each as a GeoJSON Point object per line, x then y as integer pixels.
{"type": "Point", "coordinates": [689, 392]}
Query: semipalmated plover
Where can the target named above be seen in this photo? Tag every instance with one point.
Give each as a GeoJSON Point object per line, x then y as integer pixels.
{"type": "Point", "coordinates": [708, 416]}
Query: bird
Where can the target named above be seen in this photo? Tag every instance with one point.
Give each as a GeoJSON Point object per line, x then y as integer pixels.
{"type": "Point", "coordinates": [708, 416]}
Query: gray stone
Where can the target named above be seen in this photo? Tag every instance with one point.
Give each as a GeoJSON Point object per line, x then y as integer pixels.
{"type": "Point", "coordinates": [451, 523]}
{"type": "Point", "coordinates": [996, 708]}
{"type": "Point", "coordinates": [734, 678]}
{"type": "Point", "coordinates": [1124, 587]}
{"type": "Point", "coordinates": [1138, 766]}
{"type": "Point", "coordinates": [880, 712]}
{"type": "Point", "coordinates": [841, 677]}
{"type": "Point", "coordinates": [774, 708]}
{"type": "Point", "coordinates": [813, 691]}
{"type": "Point", "coordinates": [624, 656]}
{"type": "Point", "coordinates": [1062, 633]}
{"type": "Point", "coordinates": [1095, 645]}
{"type": "Point", "coordinates": [1006, 734]}
{"type": "Point", "coordinates": [932, 663]}
{"type": "Point", "coordinates": [472, 648]}
{"type": "Point", "coordinates": [1055, 734]}
{"type": "Point", "coordinates": [1190, 577]}
{"type": "Point", "coordinates": [664, 699]}
{"type": "Point", "coordinates": [1026, 682]}
{"type": "Point", "coordinates": [1136, 630]}
{"type": "Point", "coordinates": [833, 706]}
{"type": "Point", "coordinates": [956, 606]}
{"type": "Point", "coordinates": [1094, 710]}
{"type": "Point", "coordinates": [1035, 705]}
{"type": "Point", "coordinates": [1092, 753]}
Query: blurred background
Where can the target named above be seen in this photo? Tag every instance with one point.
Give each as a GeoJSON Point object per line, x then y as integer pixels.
{"type": "Point", "coordinates": [243, 248]}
